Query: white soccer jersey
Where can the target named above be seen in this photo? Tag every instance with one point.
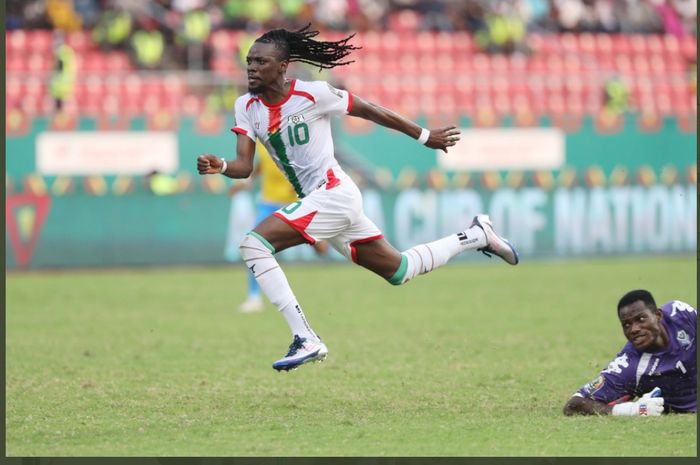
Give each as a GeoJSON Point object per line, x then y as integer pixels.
{"type": "Point", "coordinates": [296, 131]}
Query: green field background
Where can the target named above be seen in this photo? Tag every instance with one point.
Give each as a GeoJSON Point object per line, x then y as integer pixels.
{"type": "Point", "coordinates": [475, 359]}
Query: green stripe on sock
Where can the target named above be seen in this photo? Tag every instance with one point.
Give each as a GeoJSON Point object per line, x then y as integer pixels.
{"type": "Point", "coordinates": [400, 273]}
{"type": "Point", "coordinates": [263, 240]}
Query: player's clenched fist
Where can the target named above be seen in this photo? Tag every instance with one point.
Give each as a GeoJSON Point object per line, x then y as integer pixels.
{"type": "Point", "coordinates": [209, 164]}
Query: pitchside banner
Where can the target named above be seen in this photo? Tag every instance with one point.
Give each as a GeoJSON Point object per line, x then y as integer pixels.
{"type": "Point", "coordinates": [81, 230]}
{"type": "Point", "coordinates": [76, 191]}
{"type": "Point", "coordinates": [564, 222]}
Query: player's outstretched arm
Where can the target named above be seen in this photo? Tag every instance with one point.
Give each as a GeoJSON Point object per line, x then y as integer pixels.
{"type": "Point", "coordinates": [440, 138]}
{"type": "Point", "coordinates": [581, 406]}
{"type": "Point", "coordinates": [241, 167]}
{"type": "Point", "coordinates": [650, 404]}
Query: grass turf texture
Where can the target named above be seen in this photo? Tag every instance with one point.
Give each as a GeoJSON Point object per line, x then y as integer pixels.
{"type": "Point", "coordinates": [470, 360]}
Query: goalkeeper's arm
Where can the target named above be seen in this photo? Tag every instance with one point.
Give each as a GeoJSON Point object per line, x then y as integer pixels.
{"type": "Point", "coordinates": [650, 404]}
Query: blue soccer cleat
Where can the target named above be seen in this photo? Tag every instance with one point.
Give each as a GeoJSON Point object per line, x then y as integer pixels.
{"type": "Point", "coordinates": [301, 351]}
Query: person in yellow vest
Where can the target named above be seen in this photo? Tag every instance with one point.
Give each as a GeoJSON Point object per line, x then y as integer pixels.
{"type": "Point", "coordinates": [161, 184]}
{"type": "Point", "coordinates": [113, 30]}
{"type": "Point", "coordinates": [148, 46]}
{"type": "Point", "coordinates": [63, 79]}
{"type": "Point", "coordinates": [275, 193]}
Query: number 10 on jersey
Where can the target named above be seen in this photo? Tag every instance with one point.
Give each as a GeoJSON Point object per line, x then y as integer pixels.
{"type": "Point", "coordinates": [298, 133]}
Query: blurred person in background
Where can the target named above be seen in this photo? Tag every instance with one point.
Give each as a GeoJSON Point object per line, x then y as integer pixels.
{"type": "Point", "coordinates": [275, 193]}
{"type": "Point", "coordinates": [62, 82]}
{"type": "Point", "coordinates": [194, 25]}
{"type": "Point", "coordinates": [160, 184]}
{"type": "Point", "coordinates": [113, 29]}
{"type": "Point", "coordinates": [658, 365]}
{"type": "Point", "coordinates": [637, 16]}
{"type": "Point", "coordinates": [63, 16]}
{"type": "Point", "coordinates": [292, 119]}
{"type": "Point", "coordinates": [147, 45]}
{"type": "Point", "coordinates": [616, 97]}
{"type": "Point", "coordinates": [504, 30]}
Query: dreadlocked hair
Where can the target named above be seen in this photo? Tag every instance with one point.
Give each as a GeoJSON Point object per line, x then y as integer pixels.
{"type": "Point", "coordinates": [300, 46]}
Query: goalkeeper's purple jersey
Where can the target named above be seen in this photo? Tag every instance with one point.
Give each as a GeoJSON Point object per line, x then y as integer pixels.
{"type": "Point", "coordinates": [673, 369]}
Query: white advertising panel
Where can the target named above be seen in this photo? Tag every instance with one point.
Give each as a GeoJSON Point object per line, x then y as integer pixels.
{"type": "Point", "coordinates": [506, 148]}
{"type": "Point", "coordinates": [106, 153]}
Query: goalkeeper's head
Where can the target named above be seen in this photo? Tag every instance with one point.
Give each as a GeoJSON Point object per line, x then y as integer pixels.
{"type": "Point", "coordinates": [641, 321]}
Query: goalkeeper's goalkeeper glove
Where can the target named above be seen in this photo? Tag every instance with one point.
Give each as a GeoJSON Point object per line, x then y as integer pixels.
{"type": "Point", "coordinates": [650, 404]}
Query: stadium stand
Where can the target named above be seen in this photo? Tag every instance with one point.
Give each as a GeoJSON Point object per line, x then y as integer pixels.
{"type": "Point", "coordinates": [403, 65]}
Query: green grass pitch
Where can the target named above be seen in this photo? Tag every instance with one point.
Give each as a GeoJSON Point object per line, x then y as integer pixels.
{"type": "Point", "coordinates": [475, 359]}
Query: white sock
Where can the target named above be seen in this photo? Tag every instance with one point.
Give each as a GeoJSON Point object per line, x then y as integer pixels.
{"type": "Point", "coordinates": [257, 254]}
{"type": "Point", "coordinates": [424, 258]}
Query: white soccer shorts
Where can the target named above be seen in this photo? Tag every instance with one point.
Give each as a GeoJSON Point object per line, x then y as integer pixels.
{"type": "Point", "coordinates": [333, 212]}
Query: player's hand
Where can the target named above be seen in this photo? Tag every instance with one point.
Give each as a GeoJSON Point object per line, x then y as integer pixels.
{"type": "Point", "coordinates": [209, 164]}
{"type": "Point", "coordinates": [442, 138]}
{"type": "Point", "coordinates": [650, 404]}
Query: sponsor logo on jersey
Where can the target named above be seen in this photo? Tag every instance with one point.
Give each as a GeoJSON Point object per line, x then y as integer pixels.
{"type": "Point", "coordinates": [617, 365]}
{"type": "Point", "coordinates": [296, 119]}
{"type": "Point", "coordinates": [653, 371]}
{"type": "Point", "coordinates": [683, 339]}
{"type": "Point", "coordinates": [594, 385]}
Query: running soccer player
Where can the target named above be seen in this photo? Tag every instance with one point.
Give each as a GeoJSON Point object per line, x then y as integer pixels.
{"type": "Point", "coordinates": [292, 119]}
{"type": "Point", "coordinates": [658, 364]}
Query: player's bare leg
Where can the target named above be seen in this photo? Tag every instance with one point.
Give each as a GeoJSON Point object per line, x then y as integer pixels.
{"type": "Point", "coordinates": [398, 268]}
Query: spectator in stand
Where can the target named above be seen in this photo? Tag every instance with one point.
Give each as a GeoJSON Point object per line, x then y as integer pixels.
{"type": "Point", "coordinates": [148, 45]}
{"type": "Point", "coordinates": [670, 18]}
{"type": "Point", "coordinates": [191, 37]}
{"type": "Point", "coordinates": [14, 17]}
{"type": "Point", "coordinates": [62, 15]}
{"type": "Point", "coordinates": [615, 97]}
{"type": "Point", "coordinates": [113, 29]}
{"type": "Point", "coordinates": [63, 79]}
{"type": "Point", "coordinates": [536, 14]}
{"type": "Point", "coordinates": [637, 16]}
{"type": "Point", "coordinates": [504, 32]}
{"type": "Point", "coordinates": [688, 12]}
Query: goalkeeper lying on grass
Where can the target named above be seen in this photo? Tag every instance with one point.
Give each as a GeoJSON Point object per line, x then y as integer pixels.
{"type": "Point", "coordinates": [657, 365]}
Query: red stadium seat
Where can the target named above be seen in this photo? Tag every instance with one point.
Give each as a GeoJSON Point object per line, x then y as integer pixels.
{"type": "Point", "coordinates": [569, 43]}
{"type": "Point", "coordinates": [587, 43]}
{"type": "Point", "coordinates": [16, 41]}
{"type": "Point", "coordinates": [404, 21]}
{"type": "Point", "coordinates": [40, 41]}
{"type": "Point", "coordinates": [17, 63]}
{"type": "Point", "coordinates": [222, 41]}
{"type": "Point", "coordinates": [689, 47]}
{"type": "Point", "coordinates": [80, 41]}
{"type": "Point", "coordinates": [615, 43]}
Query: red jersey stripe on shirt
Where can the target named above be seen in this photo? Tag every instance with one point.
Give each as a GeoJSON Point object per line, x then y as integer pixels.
{"type": "Point", "coordinates": [307, 95]}
{"type": "Point", "coordinates": [275, 116]}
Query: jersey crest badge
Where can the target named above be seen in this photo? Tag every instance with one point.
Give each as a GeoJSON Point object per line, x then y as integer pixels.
{"type": "Point", "coordinates": [683, 339]}
{"type": "Point", "coordinates": [296, 119]}
{"type": "Point", "coordinates": [594, 385]}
